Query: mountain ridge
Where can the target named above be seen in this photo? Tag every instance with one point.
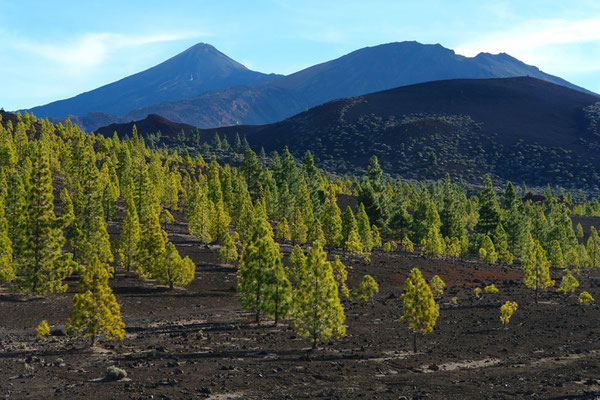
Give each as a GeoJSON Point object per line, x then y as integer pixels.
{"type": "Point", "coordinates": [385, 65]}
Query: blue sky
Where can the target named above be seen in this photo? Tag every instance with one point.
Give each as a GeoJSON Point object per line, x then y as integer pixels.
{"type": "Point", "coordinates": [51, 50]}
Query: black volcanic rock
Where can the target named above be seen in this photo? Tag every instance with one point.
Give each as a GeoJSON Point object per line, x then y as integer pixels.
{"type": "Point", "coordinates": [367, 70]}
{"type": "Point", "coordinates": [197, 70]}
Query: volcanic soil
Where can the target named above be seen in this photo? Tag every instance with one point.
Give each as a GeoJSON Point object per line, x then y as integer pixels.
{"type": "Point", "coordinates": [197, 342]}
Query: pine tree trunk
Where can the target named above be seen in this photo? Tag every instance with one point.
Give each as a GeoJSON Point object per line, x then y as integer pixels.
{"type": "Point", "coordinates": [415, 342]}
{"type": "Point", "coordinates": [276, 305]}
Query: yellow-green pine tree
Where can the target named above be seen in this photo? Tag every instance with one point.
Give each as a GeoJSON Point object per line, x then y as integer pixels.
{"type": "Point", "coordinates": [7, 271]}
{"type": "Point", "coordinates": [283, 230]}
{"type": "Point", "coordinates": [318, 314]}
{"type": "Point", "coordinates": [261, 281]}
{"type": "Point", "coordinates": [535, 267]}
{"type": "Point", "coordinates": [40, 266]}
{"type": "Point", "coordinates": [593, 247]}
{"type": "Point", "coordinates": [172, 269]}
{"type": "Point", "coordinates": [556, 255]}
{"type": "Point", "coordinates": [419, 309]}
{"type": "Point", "coordinates": [95, 308]}
{"type": "Point", "coordinates": [332, 221]}
{"type": "Point", "coordinates": [130, 236]}
{"type": "Point", "coordinates": [151, 246]}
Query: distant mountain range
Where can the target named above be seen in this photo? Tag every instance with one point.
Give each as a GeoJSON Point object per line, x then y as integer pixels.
{"type": "Point", "coordinates": [205, 88]}
{"type": "Point", "coordinates": [519, 129]}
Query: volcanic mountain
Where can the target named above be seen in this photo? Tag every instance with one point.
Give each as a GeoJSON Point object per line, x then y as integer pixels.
{"type": "Point", "coordinates": [521, 129]}
{"type": "Point", "coordinates": [367, 70]}
{"type": "Point", "coordinates": [197, 70]}
{"type": "Point", "coordinates": [205, 88]}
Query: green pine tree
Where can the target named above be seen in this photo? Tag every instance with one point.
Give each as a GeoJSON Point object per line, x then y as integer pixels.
{"type": "Point", "coordinates": [95, 308]}
{"type": "Point", "coordinates": [419, 309]}
{"type": "Point", "coordinates": [489, 210]}
{"type": "Point", "coordinates": [262, 283]}
{"type": "Point", "coordinates": [593, 247]}
{"type": "Point", "coordinates": [40, 266]}
{"type": "Point", "coordinates": [318, 314]}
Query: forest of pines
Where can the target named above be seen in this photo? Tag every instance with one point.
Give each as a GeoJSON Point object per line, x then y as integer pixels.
{"type": "Point", "coordinates": [60, 187]}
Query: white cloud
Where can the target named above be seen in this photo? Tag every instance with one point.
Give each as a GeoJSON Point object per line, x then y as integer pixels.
{"type": "Point", "coordinates": [527, 38]}
{"type": "Point", "coordinates": [92, 49]}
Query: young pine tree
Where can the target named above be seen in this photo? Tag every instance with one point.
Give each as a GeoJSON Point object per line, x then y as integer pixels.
{"type": "Point", "coordinates": [364, 229]}
{"type": "Point", "coordinates": [172, 269]}
{"type": "Point", "coordinates": [151, 246]}
{"type": "Point", "coordinates": [572, 260]}
{"type": "Point", "coordinates": [487, 252]}
{"type": "Point", "coordinates": [593, 247]}
{"type": "Point", "coordinates": [501, 245]}
{"type": "Point", "coordinates": [95, 308]}
{"type": "Point", "coordinates": [579, 231]}
{"type": "Point", "coordinates": [535, 267]}
{"type": "Point", "coordinates": [332, 221]}
{"type": "Point", "coordinates": [419, 309]}
{"type": "Point", "coordinates": [318, 314]}
{"type": "Point", "coordinates": [568, 284]}
{"type": "Point", "coordinates": [262, 283]}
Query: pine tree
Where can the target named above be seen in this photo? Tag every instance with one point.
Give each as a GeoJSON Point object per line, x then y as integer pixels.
{"type": "Point", "coordinates": [572, 259]}
{"type": "Point", "coordinates": [556, 258]}
{"type": "Point", "coordinates": [535, 267]}
{"type": "Point", "coordinates": [151, 246]}
{"type": "Point", "coordinates": [452, 213]}
{"type": "Point", "coordinates": [364, 229]}
{"type": "Point", "coordinates": [172, 270]}
{"type": "Point", "coordinates": [95, 308]}
{"type": "Point", "coordinates": [318, 314]}
{"type": "Point", "coordinates": [593, 247]}
{"type": "Point", "coordinates": [568, 284]}
{"type": "Point", "coordinates": [228, 250]}
{"type": "Point", "coordinates": [376, 236]}
{"type": "Point", "coordinates": [295, 264]}
{"type": "Point", "coordinates": [200, 213]}
{"type": "Point", "coordinates": [437, 285]}
{"type": "Point", "coordinates": [7, 271]}
{"type": "Point", "coordinates": [584, 258]}
{"type": "Point", "coordinates": [214, 183]}
{"type": "Point", "coordinates": [40, 266]}
{"type": "Point", "coordinates": [419, 309]}
{"type": "Point", "coordinates": [579, 231]}
{"type": "Point", "coordinates": [501, 245]}
{"type": "Point", "coordinates": [348, 225]}
{"type": "Point", "coordinates": [299, 228]}
{"type": "Point", "coordinates": [262, 284]}
{"type": "Point", "coordinates": [489, 211]}
{"type": "Point", "coordinates": [130, 236]}
{"type": "Point", "coordinates": [315, 232]}
{"type": "Point", "coordinates": [283, 230]}
{"type": "Point", "coordinates": [15, 209]}
{"type": "Point", "coordinates": [88, 235]}
{"type": "Point", "coordinates": [487, 252]}
{"type": "Point", "coordinates": [332, 221]}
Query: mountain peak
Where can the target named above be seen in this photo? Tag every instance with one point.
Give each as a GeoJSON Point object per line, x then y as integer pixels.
{"type": "Point", "coordinates": [196, 70]}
